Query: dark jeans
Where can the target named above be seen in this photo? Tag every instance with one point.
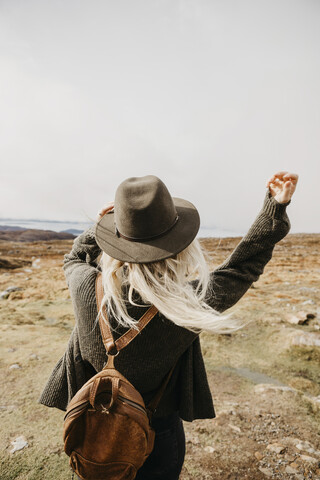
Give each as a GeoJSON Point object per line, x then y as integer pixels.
{"type": "Point", "coordinates": [166, 460]}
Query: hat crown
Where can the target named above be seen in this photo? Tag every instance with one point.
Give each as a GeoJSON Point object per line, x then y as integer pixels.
{"type": "Point", "coordinates": [143, 208]}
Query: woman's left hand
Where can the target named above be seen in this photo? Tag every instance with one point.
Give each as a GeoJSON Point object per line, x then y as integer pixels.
{"type": "Point", "coordinates": [282, 186]}
{"type": "Point", "coordinates": [107, 208]}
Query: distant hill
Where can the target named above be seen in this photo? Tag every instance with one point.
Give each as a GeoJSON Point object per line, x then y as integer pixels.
{"type": "Point", "coordinates": [13, 228]}
{"type": "Point", "coordinates": [18, 234]}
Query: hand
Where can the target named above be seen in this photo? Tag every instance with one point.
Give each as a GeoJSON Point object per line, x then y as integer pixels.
{"type": "Point", "coordinates": [107, 208]}
{"type": "Point", "coordinates": [282, 186]}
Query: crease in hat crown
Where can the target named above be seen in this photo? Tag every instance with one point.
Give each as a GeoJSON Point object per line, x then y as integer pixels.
{"type": "Point", "coordinates": [143, 208]}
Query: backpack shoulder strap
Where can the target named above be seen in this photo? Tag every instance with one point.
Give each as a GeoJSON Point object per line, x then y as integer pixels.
{"type": "Point", "coordinates": [106, 334]}
{"type": "Point", "coordinates": [127, 337]}
{"type": "Point", "coordinates": [111, 346]}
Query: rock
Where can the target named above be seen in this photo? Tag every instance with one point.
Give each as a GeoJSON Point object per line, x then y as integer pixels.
{"type": "Point", "coordinates": [18, 444]}
{"type": "Point", "coordinates": [268, 387]}
{"type": "Point", "coordinates": [56, 451]}
{"type": "Point", "coordinates": [289, 458]}
{"type": "Point", "coordinates": [36, 262]}
{"type": "Point", "coordinates": [289, 441]}
{"type": "Point", "coordinates": [33, 356]}
{"type": "Point", "coordinates": [10, 408]}
{"type": "Point", "coordinates": [299, 318]}
{"type": "Point", "coordinates": [51, 321]}
{"type": "Point", "coordinates": [291, 470]}
{"type": "Point", "coordinates": [15, 366]}
{"type": "Point", "coordinates": [305, 338]}
{"type": "Point", "coordinates": [308, 302]}
{"type": "Point", "coordinates": [5, 294]}
{"type": "Point", "coordinates": [266, 471]}
{"type": "Point", "coordinates": [11, 350]}
{"type": "Point", "coordinates": [305, 446]}
{"type": "Point", "coordinates": [294, 465]}
{"type": "Point", "coordinates": [307, 459]}
{"type": "Point", "coordinates": [234, 427]}
{"type": "Point", "coordinates": [276, 448]}
{"type": "Point", "coordinates": [258, 456]}
{"type": "Point", "coordinates": [209, 449]}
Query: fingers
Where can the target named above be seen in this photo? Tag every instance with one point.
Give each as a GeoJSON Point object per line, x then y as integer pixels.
{"type": "Point", "coordinates": [280, 177]}
{"type": "Point", "coordinates": [288, 185]}
{"type": "Point", "coordinates": [275, 181]}
{"type": "Point", "coordinates": [107, 208]}
{"type": "Point", "coordinates": [282, 185]}
{"type": "Point", "coordinates": [271, 180]}
{"type": "Point", "coordinates": [277, 175]}
{"type": "Point", "coordinates": [291, 176]}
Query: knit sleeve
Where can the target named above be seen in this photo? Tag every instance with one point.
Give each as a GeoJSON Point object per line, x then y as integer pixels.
{"type": "Point", "coordinates": [82, 258]}
{"type": "Point", "coordinates": [230, 281]}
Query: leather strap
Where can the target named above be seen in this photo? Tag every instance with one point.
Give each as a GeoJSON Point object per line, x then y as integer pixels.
{"type": "Point", "coordinates": [111, 346]}
{"type": "Point", "coordinates": [115, 346]}
{"type": "Point", "coordinates": [127, 337]}
{"type": "Point", "coordinates": [115, 382]}
{"type": "Point", "coordinates": [106, 334]}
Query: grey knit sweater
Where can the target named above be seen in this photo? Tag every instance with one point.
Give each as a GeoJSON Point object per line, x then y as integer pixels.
{"type": "Point", "coordinates": [161, 344]}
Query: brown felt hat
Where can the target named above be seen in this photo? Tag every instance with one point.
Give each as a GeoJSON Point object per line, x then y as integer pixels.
{"type": "Point", "coordinates": [147, 224]}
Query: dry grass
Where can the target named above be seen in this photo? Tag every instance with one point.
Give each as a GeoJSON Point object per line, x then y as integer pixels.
{"type": "Point", "coordinates": [35, 325]}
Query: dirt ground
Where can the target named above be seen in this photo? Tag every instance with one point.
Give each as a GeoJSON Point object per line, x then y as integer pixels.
{"type": "Point", "coordinates": [265, 378]}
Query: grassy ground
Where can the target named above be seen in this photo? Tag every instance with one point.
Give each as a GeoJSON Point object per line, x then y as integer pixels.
{"type": "Point", "coordinates": [266, 391]}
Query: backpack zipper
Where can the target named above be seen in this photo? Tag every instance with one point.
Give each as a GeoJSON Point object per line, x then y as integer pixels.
{"type": "Point", "coordinates": [128, 401]}
{"type": "Point", "coordinates": [121, 397]}
{"type": "Point", "coordinates": [133, 404]}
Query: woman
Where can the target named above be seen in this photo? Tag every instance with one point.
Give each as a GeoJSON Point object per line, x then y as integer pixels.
{"type": "Point", "coordinates": [150, 256]}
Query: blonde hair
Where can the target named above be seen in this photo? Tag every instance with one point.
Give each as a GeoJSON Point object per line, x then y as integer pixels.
{"type": "Point", "coordinates": [166, 284]}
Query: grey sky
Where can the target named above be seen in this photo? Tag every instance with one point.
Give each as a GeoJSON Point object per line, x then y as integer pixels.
{"type": "Point", "coordinates": [212, 96]}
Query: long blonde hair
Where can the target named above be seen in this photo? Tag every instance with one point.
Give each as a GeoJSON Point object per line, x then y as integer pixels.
{"type": "Point", "coordinates": [166, 284]}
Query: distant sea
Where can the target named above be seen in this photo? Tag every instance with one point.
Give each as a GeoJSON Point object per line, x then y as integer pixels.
{"type": "Point", "coordinates": [79, 227]}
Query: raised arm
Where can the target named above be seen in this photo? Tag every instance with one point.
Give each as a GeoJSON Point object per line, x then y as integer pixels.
{"type": "Point", "coordinates": [82, 258]}
{"type": "Point", "coordinates": [81, 261]}
{"type": "Point", "coordinates": [232, 278]}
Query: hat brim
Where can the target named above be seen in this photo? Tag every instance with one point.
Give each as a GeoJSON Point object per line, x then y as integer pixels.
{"type": "Point", "coordinates": [166, 246]}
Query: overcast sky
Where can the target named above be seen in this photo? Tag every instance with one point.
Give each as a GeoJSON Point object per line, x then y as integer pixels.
{"type": "Point", "coordinates": [212, 96]}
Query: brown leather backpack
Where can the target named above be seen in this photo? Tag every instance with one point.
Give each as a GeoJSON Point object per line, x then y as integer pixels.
{"type": "Point", "coordinates": [107, 431]}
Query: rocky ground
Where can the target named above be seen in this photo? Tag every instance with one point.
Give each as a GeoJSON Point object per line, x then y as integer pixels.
{"type": "Point", "coordinates": [265, 379]}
